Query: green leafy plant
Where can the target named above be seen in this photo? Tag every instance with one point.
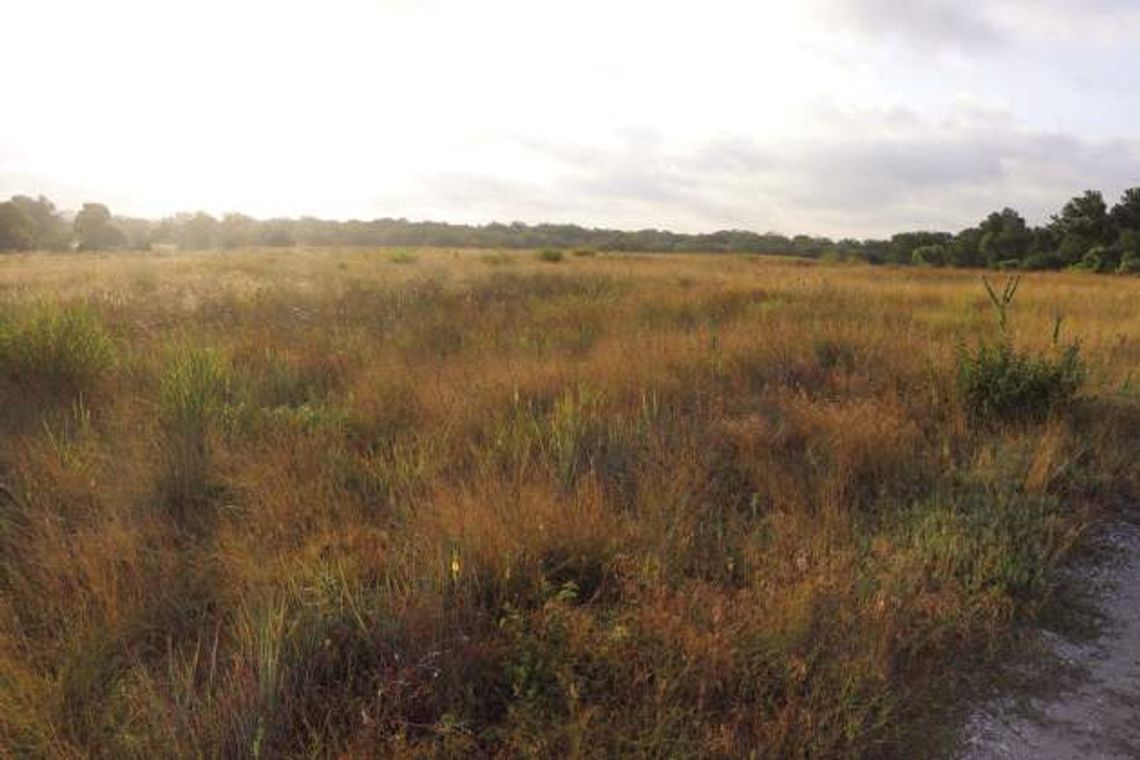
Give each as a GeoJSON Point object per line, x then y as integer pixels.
{"type": "Point", "coordinates": [550, 255]}
{"type": "Point", "coordinates": [1001, 383]}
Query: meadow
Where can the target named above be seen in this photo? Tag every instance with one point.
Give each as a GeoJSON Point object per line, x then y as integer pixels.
{"type": "Point", "coordinates": [425, 503]}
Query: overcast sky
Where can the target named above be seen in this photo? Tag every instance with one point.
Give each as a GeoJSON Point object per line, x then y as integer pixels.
{"type": "Point", "coordinates": [837, 117]}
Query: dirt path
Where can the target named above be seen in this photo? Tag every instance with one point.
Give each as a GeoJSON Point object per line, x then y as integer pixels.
{"type": "Point", "coordinates": [1084, 701]}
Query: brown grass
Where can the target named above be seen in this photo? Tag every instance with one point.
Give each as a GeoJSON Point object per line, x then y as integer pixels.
{"type": "Point", "coordinates": [357, 503]}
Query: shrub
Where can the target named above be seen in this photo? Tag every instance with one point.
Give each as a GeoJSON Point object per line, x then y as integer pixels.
{"type": "Point", "coordinates": [929, 256]}
{"type": "Point", "coordinates": [403, 256]}
{"type": "Point", "coordinates": [59, 350]}
{"type": "Point", "coordinates": [1129, 264]}
{"type": "Point", "coordinates": [585, 252]}
{"type": "Point", "coordinates": [550, 255]}
{"type": "Point", "coordinates": [1000, 383]}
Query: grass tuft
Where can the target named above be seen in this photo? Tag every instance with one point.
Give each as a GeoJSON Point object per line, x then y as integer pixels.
{"type": "Point", "coordinates": [55, 349]}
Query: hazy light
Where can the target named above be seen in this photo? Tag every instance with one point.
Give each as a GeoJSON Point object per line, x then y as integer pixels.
{"type": "Point", "coordinates": [532, 110]}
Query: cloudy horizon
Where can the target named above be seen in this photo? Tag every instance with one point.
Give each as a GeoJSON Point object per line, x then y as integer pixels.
{"type": "Point", "coordinates": [832, 117]}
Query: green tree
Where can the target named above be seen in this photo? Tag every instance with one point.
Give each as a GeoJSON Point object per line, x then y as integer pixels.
{"type": "Point", "coordinates": [236, 231]}
{"type": "Point", "coordinates": [965, 250]}
{"type": "Point", "coordinates": [1125, 214]}
{"type": "Point", "coordinates": [17, 232]}
{"type": "Point", "coordinates": [49, 231]}
{"type": "Point", "coordinates": [277, 234]}
{"type": "Point", "coordinates": [138, 233]}
{"type": "Point", "coordinates": [95, 230]}
{"type": "Point", "coordinates": [930, 255]}
{"type": "Point", "coordinates": [1082, 224]}
{"type": "Point", "coordinates": [903, 244]}
{"type": "Point", "coordinates": [198, 232]}
{"type": "Point", "coordinates": [1004, 237]}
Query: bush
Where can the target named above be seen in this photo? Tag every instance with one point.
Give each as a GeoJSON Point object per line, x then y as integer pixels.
{"type": "Point", "coordinates": [1130, 264]}
{"type": "Point", "coordinates": [929, 256]}
{"type": "Point", "coordinates": [403, 257]}
{"type": "Point", "coordinates": [1000, 383]}
{"type": "Point", "coordinates": [550, 255]}
{"type": "Point", "coordinates": [59, 350]}
{"type": "Point", "coordinates": [585, 252]}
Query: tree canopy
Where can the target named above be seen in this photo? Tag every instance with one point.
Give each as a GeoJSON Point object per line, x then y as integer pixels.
{"type": "Point", "coordinates": [1084, 234]}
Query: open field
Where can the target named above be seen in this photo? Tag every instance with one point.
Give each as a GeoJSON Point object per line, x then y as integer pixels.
{"type": "Point", "coordinates": [424, 503]}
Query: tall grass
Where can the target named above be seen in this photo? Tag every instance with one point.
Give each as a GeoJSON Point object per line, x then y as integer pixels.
{"type": "Point", "coordinates": [55, 350]}
{"type": "Point", "coordinates": [194, 390]}
{"type": "Point", "coordinates": [636, 506]}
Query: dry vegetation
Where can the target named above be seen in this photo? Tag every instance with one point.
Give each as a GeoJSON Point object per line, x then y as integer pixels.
{"type": "Point", "coordinates": [377, 503]}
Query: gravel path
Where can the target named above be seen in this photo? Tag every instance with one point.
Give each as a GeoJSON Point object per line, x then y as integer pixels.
{"type": "Point", "coordinates": [1087, 703]}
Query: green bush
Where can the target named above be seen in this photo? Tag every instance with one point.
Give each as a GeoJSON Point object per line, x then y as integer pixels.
{"type": "Point", "coordinates": [403, 256]}
{"type": "Point", "coordinates": [59, 350]}
{"type": "Point", "coordinates": [1130, 264]}
{"type": "Point", "coordinates": [929, 256]}
{"type": "Point", "coordinates": [999, 382]}
{"type": "Point", "coordinates": [550, 255]}
{"type": "Point", "coordinates": [585, 252]}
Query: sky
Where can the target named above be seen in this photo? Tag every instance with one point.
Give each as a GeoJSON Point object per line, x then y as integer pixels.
{"type": "Point", "coordinates": [831, 117]}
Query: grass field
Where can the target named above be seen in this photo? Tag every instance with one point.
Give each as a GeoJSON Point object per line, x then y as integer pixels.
{"type": "Point", "coordinates": [426, 503]}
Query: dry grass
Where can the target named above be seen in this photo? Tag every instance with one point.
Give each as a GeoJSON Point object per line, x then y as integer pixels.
{"type": "Point", "coordinates": [365, 503]}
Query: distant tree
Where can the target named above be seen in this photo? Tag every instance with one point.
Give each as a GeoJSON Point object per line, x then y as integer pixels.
{"type": "Point", "coordinates": [139, 234]}
{"type": "Point", "coordinates": [876, 251]}
{"type": "Point", "coordinates": [1129, 246]}
{"type": "Point", "coordinates": [1072, 249]}
{"type": "Point", "coordinates": [95, 230]}
{"type": "Point", "coordinates": [49, 231]}
{"type": "Point", "coordinates": [1100, 258]}
{"type": "Point", "coordinates": [1004, 237]}
{"type": "Point", "coordinates": [903, 244]}
{"type": "Point", "coordinates": [1085, 215]}
{"type": "Point", "coordinates": [236, 231]}
{"type": "Point", "coordinates": [1082, 224]}
{"type": "Point", "coordinates": [805, 245]}
{"type": "Point", "coordinates": [966, 248]}
{"type": "Point", "coordinates": [1129, 243]}
{"type": "Point", "coordinates": [1125, 215]}
{"type": "Point", "coordinates": [930, 255]}
{"type": "Point", "coordinates": [17, 231]}
{"type": "Point", "coordinates": [198, 232]}
{"type": "Point", "coordinates": [277, 234]}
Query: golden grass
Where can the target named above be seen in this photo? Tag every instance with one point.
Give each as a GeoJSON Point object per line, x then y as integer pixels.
{"type": "Point", "coordinates": [376, 503]}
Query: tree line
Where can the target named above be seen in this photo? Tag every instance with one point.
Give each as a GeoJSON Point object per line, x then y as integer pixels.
{"type": "Point", "coordinates": [1084, 234]}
